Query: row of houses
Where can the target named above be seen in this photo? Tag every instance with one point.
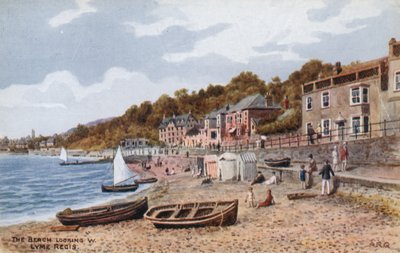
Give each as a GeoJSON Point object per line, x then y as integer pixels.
{"type": "Point", "coordinates": [229, 124]}
{"type": "Point", "coordinates": [344, 104]}
{"type": "Point", "coordinates": [348, 102]}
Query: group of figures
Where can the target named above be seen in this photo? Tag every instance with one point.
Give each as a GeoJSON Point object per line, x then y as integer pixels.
{"type": "Point", "coordinates": [326, 170]}
{"type": "Point", "coordinates": [260, 179]}
{"type": "Point", "coordinates": [251, 199]}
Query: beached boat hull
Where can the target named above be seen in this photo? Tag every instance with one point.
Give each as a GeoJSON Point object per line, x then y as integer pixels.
{"type": "Point", "coordinates": [285, 162]}
{"type": "Point", "coordinates": [145, 180]}
{"type": "Point", "coordinates": [301, 195]}
{"type": "Point", "coordinates": [104, 214]}
{"type": "Point", "coordinates": [119, 188]}
{"type": "Point", "coordinates": [198, 214]}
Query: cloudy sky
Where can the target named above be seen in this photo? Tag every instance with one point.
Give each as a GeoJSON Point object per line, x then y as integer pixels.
{"type": "Point", "coordinates": [66, 62]}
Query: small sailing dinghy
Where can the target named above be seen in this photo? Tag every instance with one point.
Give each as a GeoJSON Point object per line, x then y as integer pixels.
{"type": "Point", "coordinates": [64, 158]}
{"type": "Point", "coordinates": [103, 214]}
{"type": "Point", "coordinates": [197, 214]}
{"type": "Point", "coordinates": [121, 175]}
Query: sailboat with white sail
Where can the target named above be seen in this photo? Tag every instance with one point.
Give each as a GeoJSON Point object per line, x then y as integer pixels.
{"type": "Point", "coordinates": [121, 175]}
{"type": "Point", "coordinates": [65, 161]}
{"type": "Point", "coordinates": [63, 155]}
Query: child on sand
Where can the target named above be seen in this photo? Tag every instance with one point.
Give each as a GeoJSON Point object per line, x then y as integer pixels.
{"type": "Point", "coordinates": [250, 198]}
{"type": "Point", "coordinates": [302, 176]}
{"type": "Point", "coordinates": [268, 201]}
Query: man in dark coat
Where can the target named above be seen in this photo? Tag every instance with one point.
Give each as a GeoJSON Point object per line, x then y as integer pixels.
{"type": "Point", "coordinates": [326, 176]}
{"type": "Point", "coordinates": [258, 179]}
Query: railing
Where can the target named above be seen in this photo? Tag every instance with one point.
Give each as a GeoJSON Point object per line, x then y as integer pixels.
{"type": "Point", "coordinates": [372, 130]}
{"type": "Point", "coordinates": [368, 131]}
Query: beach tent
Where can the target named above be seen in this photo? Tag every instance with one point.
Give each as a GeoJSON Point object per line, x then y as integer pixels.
{"type": "Point", "coordinates": [200, 166]}
{"type": "Point", "coordinates": [211, 165]}
{"type": "Point", "coordinates": [247, 166]}
{"type": "Point", "coordinates": [227, 167]}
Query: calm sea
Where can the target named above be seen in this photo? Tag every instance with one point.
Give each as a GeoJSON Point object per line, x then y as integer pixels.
{"type": "Point", "coordinates": [34, 188]}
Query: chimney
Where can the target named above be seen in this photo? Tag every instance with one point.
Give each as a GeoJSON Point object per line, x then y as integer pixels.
{"type": "Point", "coordinates": [394, 48]}
{"type": "Point", "coordinates": [173, 115]}
{"type": "Point", "coordinates": [163, 116]}
{"type": "Point", "coordinates": [338, 67]}
{"type": "Point", "coordinates": [268, 100]}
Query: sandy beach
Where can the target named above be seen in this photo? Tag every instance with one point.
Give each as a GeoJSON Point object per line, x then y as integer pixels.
{"type": "Point", "coordinates": [321, 224]}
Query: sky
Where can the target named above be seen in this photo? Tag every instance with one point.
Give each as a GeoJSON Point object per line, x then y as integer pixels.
{"type": "Point", "coordinates": [66, 62]}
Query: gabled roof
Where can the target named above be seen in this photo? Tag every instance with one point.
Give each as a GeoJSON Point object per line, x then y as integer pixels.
{"type": "Point", "coordinates": [248, 157]}
{"type": "Point", "coordinates": [256, 101]}
{"type": "Point", "coordinates": [222, 110]}
{"type": "Point", "coordinates": [178, 121]}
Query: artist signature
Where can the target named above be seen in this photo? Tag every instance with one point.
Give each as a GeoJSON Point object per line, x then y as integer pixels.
{"type": "Point", "coordinates": [380, 244]}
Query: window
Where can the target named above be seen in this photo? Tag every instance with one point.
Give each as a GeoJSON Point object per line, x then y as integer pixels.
{"type": "Point", "coordinates": [326, 126]}
{"type": "Point", "coordinates": [308, 103]}
{"type": "Point", "coordinates": [355, 122]}
{"type": "Point", "coordinates": [397, 81]}
{"type": "Point", "coordinates": [325, 100]}
{"type": "Point", "coordinates": [229, 119]}
{"type": "Point", "coordinates": [359, 95]}
{"type": "Point", "coordinates": [355, 95]}
{"type": "Point", "coordinates": [213, 135]}
{"type": "Point", "coordinates": [365, 95]}
{"type": "Point", "coordinates": [366, 124]}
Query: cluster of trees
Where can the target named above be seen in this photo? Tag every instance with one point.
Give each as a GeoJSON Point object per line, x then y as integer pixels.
{"type": "Point", "coordinates": [143, 120]}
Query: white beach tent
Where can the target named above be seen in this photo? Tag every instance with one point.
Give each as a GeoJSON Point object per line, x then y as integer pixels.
{"type": "Point", "coordinates": [227, 166]}
{"type": "Point", "coordinates": [247, 166]}
{"type": "Point", "coordinates": [211, 165]}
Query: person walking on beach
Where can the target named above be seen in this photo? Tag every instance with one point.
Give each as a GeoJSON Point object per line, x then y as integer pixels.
{"type": "Point", "coordinates": [312, 166]}
{"type": "Point", "coordinates": [302, 176]}
{"type": "Point", "coordinates": [326, 176]}
{"type": "Point", "coordinates": [250, 198]}
{"type": "Point", "coordinates": [335, 158]}
{"type": "Point", "coordinates": [344, 155]}
{"type": "Point", "coordinates": [268, 201]}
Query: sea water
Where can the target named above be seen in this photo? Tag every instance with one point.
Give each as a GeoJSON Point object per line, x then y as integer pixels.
{"type": "Point", "coordinates": [35, 188]}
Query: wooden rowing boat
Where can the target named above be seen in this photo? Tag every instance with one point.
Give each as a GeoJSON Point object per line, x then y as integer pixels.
{"type": "Point", "coordinates": [196, 214]}
{"type": "Point", "coordinates": [103, 214]}
{"type": "Point", "coordinates": [119, 188]}
{"type": "Point", "coordinates": [283, 162]}
{"type": "Point", "coordinates": [145, 180]}
{"type": "Point", "coordinates": [301, 195]}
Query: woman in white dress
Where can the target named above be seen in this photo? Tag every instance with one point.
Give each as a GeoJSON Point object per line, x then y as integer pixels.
{"type": "Point", "coordinates": [335, 159]}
